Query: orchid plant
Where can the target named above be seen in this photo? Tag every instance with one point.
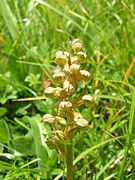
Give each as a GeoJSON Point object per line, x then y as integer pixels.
{"type": "Point", "coordinates": [66, 119]}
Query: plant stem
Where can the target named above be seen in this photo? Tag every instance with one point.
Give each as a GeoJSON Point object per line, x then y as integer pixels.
{"type": "Point", "coordinates": [69, 160]}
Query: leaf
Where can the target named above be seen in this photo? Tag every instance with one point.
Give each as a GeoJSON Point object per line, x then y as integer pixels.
{"type": "Point", "coordinates": [1, 148]}
{"type": "Point", "coordinates": [3, 111]}
{"type": "Point", "coordinates": [24, 145]}
{"type": "Point", "coordinates": [45, 106]}
{"type": "Point", "coordinates": [22, 110]}
{"type": "Point", "coordinates": [40, 149]}
{"type": "Point", "coordinates": [4, 132]}
{"type": "Point", "coordinates": [33, 80]}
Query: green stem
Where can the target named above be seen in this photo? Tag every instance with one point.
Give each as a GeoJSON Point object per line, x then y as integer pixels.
{"type": "Point", "coordinates": [69, 160]}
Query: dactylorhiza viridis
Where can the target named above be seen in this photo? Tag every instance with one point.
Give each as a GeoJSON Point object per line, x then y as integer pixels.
{"type": "Point", "coordinates": [66, 119]}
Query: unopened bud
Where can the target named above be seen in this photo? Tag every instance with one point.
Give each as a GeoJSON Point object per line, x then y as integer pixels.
{"type": "Point", "coordinates": [61, 120]}
{"type": "Point", "coordinates": [76, 45]}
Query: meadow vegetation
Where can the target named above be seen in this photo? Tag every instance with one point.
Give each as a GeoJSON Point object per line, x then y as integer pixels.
{"type": "Point", "coordinates": [31, 32]}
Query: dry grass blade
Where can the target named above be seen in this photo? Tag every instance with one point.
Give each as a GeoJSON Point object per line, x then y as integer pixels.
{"type": "Point", "coordinates": [129, 10]}
{"type": "Point", "coordinates": [31, 98]}
{"type": "Point", "coordinates": [128, 72]}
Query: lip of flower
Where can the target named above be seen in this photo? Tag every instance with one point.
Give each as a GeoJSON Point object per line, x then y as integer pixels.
{"type": "Point", "coordinates": [74, 68]}
{"type": "Point", "coordinates": [68, 87]}
{"type": "Point", "coordinates": [81, 56]}
{"type": "Point", "coordinates": [49, 90]}
{"type": "Point", "coordinates": [87, 99]}
{"type": "Point", "coordinates": [65, 105]}
{"type": "Point", "coordinates": [74, 59]}
{"type": "Point", "coordinates": [59, 76]}
{"type": "Point", "coordinates": [85, 74]}
{"type": "Point", "coordinates": [48, 118]}
{"type": "Point", "coordinates": [61, 58]}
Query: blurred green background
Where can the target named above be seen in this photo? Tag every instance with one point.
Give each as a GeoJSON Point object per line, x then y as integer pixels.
{"type": "Point", "coordinates": [31, 31]}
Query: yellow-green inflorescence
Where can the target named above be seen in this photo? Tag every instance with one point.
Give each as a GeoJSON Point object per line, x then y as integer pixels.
{"type": "Point", "coordinates": [68, 75]}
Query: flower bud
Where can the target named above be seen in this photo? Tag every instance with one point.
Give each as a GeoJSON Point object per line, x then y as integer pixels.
{"type": "Point", "coordinates": [60, 58]}
{"type": "Point", "coordinates": [76, 45]}
{"type": "Point", "coordinates": [81, 56]}
{"type": "Point", "coordinates": [87, 100]}
{"type": "Point", "coordinates": [48, 118]}
{"type": "Point", "coordinates": [61, 120]}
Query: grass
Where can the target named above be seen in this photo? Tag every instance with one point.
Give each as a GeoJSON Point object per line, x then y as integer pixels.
{"type": "Point", "coordinates": [30, 33]}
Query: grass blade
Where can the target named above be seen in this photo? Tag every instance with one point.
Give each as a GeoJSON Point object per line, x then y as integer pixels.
{"type": "Point", "coordinates": [9, 18]}
{"type": "Point", "coordinates": [131, 120]}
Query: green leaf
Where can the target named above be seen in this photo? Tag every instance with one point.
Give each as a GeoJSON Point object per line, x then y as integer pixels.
{"type": "Point", "coordinates": [24, 145]}
{"type": "Point", "coordinates": [22, 110]}
{"type": "Point", "coordinates": [40, 149]}
{"type": "Point", "coordinates": [3, 111]}
{"type": "Point", "coordinates": [1, 148]}
{"type": "Point", "coordinates": [4, 132]}
{"type": "Point", "coordinates": [45, 106]}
